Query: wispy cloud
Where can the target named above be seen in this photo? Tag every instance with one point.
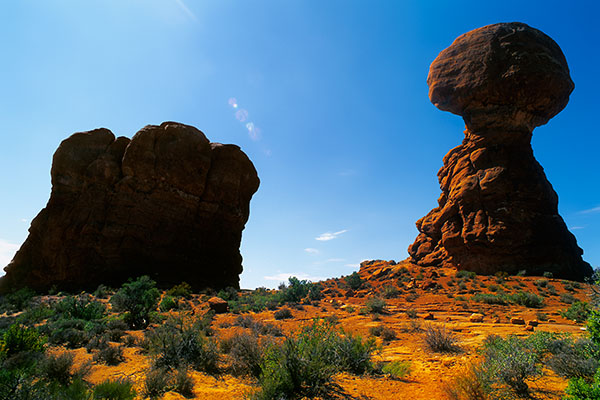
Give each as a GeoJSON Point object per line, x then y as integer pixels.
{"type": "Point", "coordinates": [335, 260]}
{"type": "Point", "coordinates": [310, 250]}
{"type": "Point", "coordinates": [591, 210]}
{"type": "Point", "coordinates": [7, 252]}
{"type": "Point", "coordinates": [574, 228]}
{"type": "Point", "coordinates": [329, 235]}
{"type": "Point", "coordinates": [186, 10]}
{"type": "Point", "coordinates": [283, 277]}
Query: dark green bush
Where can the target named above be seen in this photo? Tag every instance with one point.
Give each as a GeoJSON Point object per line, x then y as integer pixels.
{"type": "Point", "coordinates": [527, 299]}
{"type": "Point", "coordinates": [168, 303]}
{"type": "Point", "coordinates": [573, 358]}
{"type": "Point", "coordinates": [582, 389]}
{"type": "Point", "coordinates": [305, 363]}
{"type": "Point", "coordinates": [16, 301]}
{"type": "Point", "coordinates": [119, 389]}
{"type": "Point", "coordinates": [137, 299]}
{"type": "Point", "coordinates": [181, 341]}
{"type": "Point", "coordinates": [354, 281]}
{"type": "Point", "coordinates": [568, 298]}
{"type": "Point", "coordinates": [183, 383]}
{"type": "Point", "coordinates": [390, 292]}
{"type": "Point", "coordinates": [246, 354]}
{"type": "Point", "coordinates": [20, 339]}
{"type": "Point", "coordinates": [465, 274]}
{"type": "Point", "coordinates": [258, 300]}
{"type": "Point", "coordinates": [258, 327]}
{"type": "Point", "coordinates": [387, 334]}
{"type": "Point", "coordinates": [110, 355]}
{"type": "Point", "coordinates": [80, 307]}
{"type": "Point", "coordinates": [578, 311]}
{"type": "Point", "coordinates": [228, 294]}
{"type": "Point", "coordinates": [295, 291]}
{"type": "Point", "coordinates": [182, 290]}
{"type": "Point", "coordinates": [284, 313]}
{"type": "Point", "coordinates": [57, 368]}
{"type": "Point", "coordinates": [157, 382]}
{"type": "Point", "coordinates": [375, 305]}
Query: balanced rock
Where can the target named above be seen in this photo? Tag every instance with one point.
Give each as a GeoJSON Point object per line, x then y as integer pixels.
{"type": "Point", "coordinates": [497, 210]}
{"type": "Point", "coordinates": [167, 203]}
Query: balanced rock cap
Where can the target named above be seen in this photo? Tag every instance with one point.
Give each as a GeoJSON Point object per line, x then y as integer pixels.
{"type": "Point", "coordinates": [502, 75]}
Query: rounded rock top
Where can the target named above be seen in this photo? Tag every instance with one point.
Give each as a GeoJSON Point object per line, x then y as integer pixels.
{"type": "Point", "coordinates": [506, 75]}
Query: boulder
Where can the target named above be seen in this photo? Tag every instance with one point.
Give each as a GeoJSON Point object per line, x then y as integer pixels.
{"type": "Point", "coordinates": [476, 317]}
{"type": "Point", "coordinates": [497, 211]}
{"type": "Point", "coordinates": [517, 321]}
{"type": "Point", "coordinates": [218, 305]}
{"type": "Point", "coordinates": [167, 203]}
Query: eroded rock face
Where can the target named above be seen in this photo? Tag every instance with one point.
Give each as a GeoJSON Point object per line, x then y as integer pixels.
{"type": "Point", "coordinates": [497, 210]}
{"type": "Point", "coordinates": [167, 203]}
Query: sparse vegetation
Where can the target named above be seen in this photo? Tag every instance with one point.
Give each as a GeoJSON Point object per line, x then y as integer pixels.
{"type": "Point", "coordinates": [397, 369]}
{"type": "Point", "coordinates": [119, 389]}
{"type": "Point", "coordinates": [578, 311]}
{"type": "Point", "coordinates": [354, 281]}
{"type": "Point", "coordinates": [375, 305]}
{"type": "Point", "coordinates": [439, 339]}
{"type": "Point", "coordinates": [137, 299]}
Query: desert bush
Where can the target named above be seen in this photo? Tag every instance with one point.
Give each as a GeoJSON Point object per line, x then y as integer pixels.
{"type": "Point", "coordinates": [119, 389]}
{"type": "Point", "coordinates": [573, 358]}
{"type": "Point", "coordinates": [182, 290]}
{"type": "Point", "coordinates": [387, 334]}
{"type": "Point", "coordinates": [541, 283]}
{"type": "Point", "coordinates": [228, 294]}
{"type": "Point", "coordinates": [353, 281]}
{"type": "Point", "coordinates": [258, 300]}
{"type": "Point", "coordinates": [79, 307]}
{"type": "Point", "coordinates": [168, 303]}
{"type": "Point", "coordinates": [397, 369]}
{"type": "Point", "coordinates": [258, 327]}
{"type": "Point", "coordinates": [465, 274]}
{"type": "Point", "coordinates": [471, 384]}
{"type": "Point", "coordinates": [110, 355]}
{"type": "Point", "coordinates": [57, 368]}
{"type": "Point", "coordinates": [375, 305]}
{"type": "Point", "coordinates": [578, 311]}
{"type": "Point", "coordinates": [102, 292]}
{"type": "Point", "coordinates": [246, 354]}
{"type": "Point", "coordinates": [295, 290]}
{"type": "Point", "coordinates": [582, 389]}
{"type": "Point", "coordinates": [182, 341]}
{"type": "Point", "coordinates": [137, 299]}
{"type": "Point", "coordinates": [284, 313]}
{"type": "Point", "coordinates": [156, 382]}
{"type": "Point", "coordinates": [489, 298]}
{"type": "Point", "coordinates": [16, 301]}
{"type": "Point", "coordinates": [183, 382]}
{"type": "Point", "coordinates": [35, 314]}
{"type": "Point", "coordinates": [305, 363]}
{"type": "Point", "coordinates": [20, 339]}
{"type": "Point", "coordinates": [390, 292]}
{"type": "Point", "coordinates": [410, 313]}
{"type": "Point", "coordinates": [439, 339]}
{"type": "Point", "coordinates": [527, 299]}
{"type": "Point", "coordinates": [568, 298]}
{"type": "Point", "coordinates": [72, 333]}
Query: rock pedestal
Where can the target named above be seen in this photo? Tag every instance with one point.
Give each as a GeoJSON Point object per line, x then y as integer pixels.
{"type": "Point", "coordinates": [167, 203]}
{"type": "Point", "coordinates": [497, 210]}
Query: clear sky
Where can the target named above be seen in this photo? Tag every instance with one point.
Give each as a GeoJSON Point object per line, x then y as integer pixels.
{"type": "Point", "coordinates": [336, 115]}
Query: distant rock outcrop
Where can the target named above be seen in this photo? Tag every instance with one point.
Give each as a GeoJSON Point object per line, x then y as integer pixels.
{"type": "Point", "coordinates": [167, 203]}
{"type": "Point", "coordinates": [497, 210]}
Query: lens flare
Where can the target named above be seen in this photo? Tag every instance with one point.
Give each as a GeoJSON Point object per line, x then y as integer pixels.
{"type": "Point", "coordinates": [233, 102]}
{"type": "Point", "coordinates": [241, 115]}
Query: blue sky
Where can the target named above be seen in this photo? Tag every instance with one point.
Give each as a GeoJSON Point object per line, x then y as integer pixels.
{"type": "Point", "coordinates": [336, 115]}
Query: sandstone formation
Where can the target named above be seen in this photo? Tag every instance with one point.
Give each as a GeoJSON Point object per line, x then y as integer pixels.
{"type": "Point", "coordinates": [167, 203]}
{"type": "Point", "coordinates": [497, 210]}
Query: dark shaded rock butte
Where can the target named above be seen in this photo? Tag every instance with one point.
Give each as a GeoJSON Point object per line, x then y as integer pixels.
{"type": "Point", "coordinates": [497, 211]}
{"type": "Point", "coordinates": [167, 203]}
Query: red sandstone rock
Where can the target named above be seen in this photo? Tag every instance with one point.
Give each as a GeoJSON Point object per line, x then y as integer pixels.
{"type": "Point", "coordinates": [517, 321]}
{"type": "Point", "coordinates": [497, 210]}
{"type": "Point", "coordinates": [167, 203]}
{"type": "Point", "coordinates": [476, 317]}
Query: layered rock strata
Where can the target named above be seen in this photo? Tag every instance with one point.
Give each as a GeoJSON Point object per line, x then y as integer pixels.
{"type": "Point", "coordinates": [167, 203]}
{"type": "Point", "coordinates": [497, 210]}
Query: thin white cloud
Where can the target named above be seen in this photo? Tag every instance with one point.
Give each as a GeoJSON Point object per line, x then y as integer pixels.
{"type": "Point", "coordinates": [574, 228]}
{"type": "Point", "coordinates": [591, 210]}
{"type": "Point", "coordinates": [352, 265]}
{"type": "Point", "coordinates": [335, 260]}
{"type": "Point", "coordinates": [310, 250]}
{"type": "Point", "coordinates": [7, 252]}
{"type": "Point", "coordinates": [330, 236]}
{"type": "Point", "coordinates": [283, 277]}
{"type": "Point", "coordinates": [186, 10]}
{"type": "Point", "coordinates": [24, 220]}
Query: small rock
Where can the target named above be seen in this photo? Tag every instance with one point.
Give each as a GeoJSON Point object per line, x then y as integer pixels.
{"type": "Point", "coordinates": [349, 293]}
{"type": "Point", "coordinates": [496, 320]}
{"type": "Point", "coordinates": [428, 316]}
{"type": "Point", "coordinates": [476, 317]}
{"type": "Point", "coordinates": [517, 321]}
{"type": "Point", "coordinates": [533, 322]}
{"type": "Point", "coordinates": [529, 328]}
{"type": "Point", "coordinates": [218, 305]}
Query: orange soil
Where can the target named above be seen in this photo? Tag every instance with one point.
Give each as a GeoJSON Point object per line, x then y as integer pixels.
{"type": "Point", "coordinates": [430, 371]}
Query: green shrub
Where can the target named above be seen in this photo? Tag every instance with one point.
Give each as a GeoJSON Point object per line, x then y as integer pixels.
{"type": "Point", "coordinates": [387, 334]}
{"type": "Point", "coordinates": [397, 369]}
{"type": "Point", "coordinates": [183, 383]}
{"type": "Point", "coordinates": [110, 355]}
{"type": "Point", "coordinates": [57, 368]}
{"type": "Point", "coordinates": [573, 358]}
{"type": "Point", "coordinates": [353, 281]}
{"type": "Point", "coordinates": [168, 303]}
{"type": "Point", "coordinates": [157, 382]}
{"type": "Point", "coordinates": [541, 283]}
{"type": "Point", "coordinates": [488, 298]}
{"type": "Point", "coordinates": [466, 274]}
{"type": "Point", "coordinates": [17, 301]}
{"type": "Point", "coordinates": [258, 300]}
{"type": "Point", "coordinates": [471, 384]}
{"type": "Point", "coordinates": [284, 313]}
{"type": "Point", "coordinates": [137, 299]}
{"type": "Point", "coordinates": [182, 341]}
{"type": "Point", "coordinates": [527, 299]}
{"type": "Point", "coordinates": [119, 389]}
{"type": "Point", "coordinates": [390, 292]}
{"type": "Point", "coordinates": [375, 305]}
{"type": "Point", "coordinates": [246, 354]}
{"type": "Point", "coordinates": [182, 290]}
{"type": "Point", "coordinates": [20, 339]}
{"type": "Point", "coordinates": [582, 389]}
{"type": "Point", "coordinates": [568, 298]}
{"type": "Point", "coordinates": [295, 291]}
{"type": "Point", "coordinates": [439, 339]}
{"type": "Point", "coordinates": [578, 311]}
{"type": "Point", "coordinates": [36, 314]}
{"type": "Point", "coordinates": [305, 363]}
{"type": "Point", "coordinates": [80, 307]}
{"type": "Point", "coordinates": [228, 294]}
